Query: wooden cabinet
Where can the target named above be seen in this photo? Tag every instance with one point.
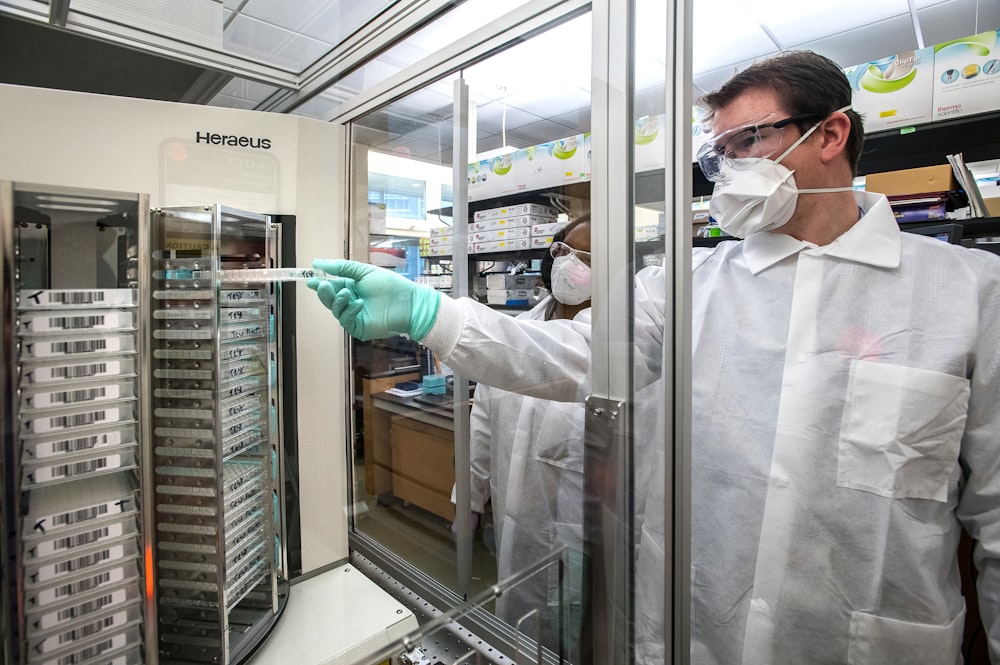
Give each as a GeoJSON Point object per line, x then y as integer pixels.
{"type": "Point", "coordinates": [423, 464]}
{"type": "Point", "coordinates": [409, 450]}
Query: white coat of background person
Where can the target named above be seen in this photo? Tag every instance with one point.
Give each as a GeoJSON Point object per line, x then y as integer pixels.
{"type": "Point", "coordinates": [527, 461]}
{"type": "Point", "coordinates": [846, 384]}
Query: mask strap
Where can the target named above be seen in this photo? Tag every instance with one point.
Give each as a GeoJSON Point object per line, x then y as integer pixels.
{"type": "Point", "coordinates": [819, 190]}
{"type": "Point", "coordinates": [806, 135]}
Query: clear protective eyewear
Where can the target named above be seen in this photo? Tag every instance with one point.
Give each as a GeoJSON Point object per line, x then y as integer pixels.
{"type": "Point", "coordinates": [760, 140]}
{"type": "Point", "coordinates": [558, 249]}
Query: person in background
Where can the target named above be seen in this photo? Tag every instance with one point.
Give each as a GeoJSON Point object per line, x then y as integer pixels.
{"type": "Point", "coordinates": [527, 462]}
{"type": "Point", "coordinates": [845, 395]}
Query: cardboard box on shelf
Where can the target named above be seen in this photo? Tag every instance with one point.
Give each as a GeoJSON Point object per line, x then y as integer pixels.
{"type": "Point", "coordinates": [515, 211]}
{"type": "Point", "coordinates": [925, 180]}
{"type": "Point", "coordinates": [500, 234]}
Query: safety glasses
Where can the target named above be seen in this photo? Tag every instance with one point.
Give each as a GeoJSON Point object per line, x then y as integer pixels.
{"type": "Point", "coordinates": [761, 140]}
{"type": "Point", "coordinates": [558, 249]}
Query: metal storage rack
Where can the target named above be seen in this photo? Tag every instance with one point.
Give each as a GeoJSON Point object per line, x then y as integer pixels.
{"type": "Point", "coordinates": [73, 574]}
{"type": "Point", "coordinates": [141, 472]}
{"type": "Point", "coordinates": [213, 416]}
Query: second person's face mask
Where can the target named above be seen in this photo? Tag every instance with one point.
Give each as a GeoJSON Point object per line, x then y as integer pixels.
{"type": "Point", "coordinates": [570, 280]}
{"type": "Point", "coordinates": [758, 194]}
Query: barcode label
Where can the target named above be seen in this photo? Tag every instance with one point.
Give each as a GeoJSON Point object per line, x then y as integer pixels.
{"type": "Point", "coordinates": [116, 620]}
{"type": "Point", "coordinates": [56, 423]}
{"type": "Point", "coordinates": [50, 473]}
{"type": "Point", "coordinates": [93, 651]}
{"type": "Point", "coordinates": [57, 593]}
{"type": "Point", "coordinates": [57, 545]}
{"type": "Point", "coordinates": [81, 319]}
{"type": "Point", "coordinates": [66, 397]}
{"type": "Point", "coordinates": [49, 348]}
{"type": "Point", "coordinates": [44, 322]}
{"type": "Point", "coordinates": [75, 445]}
{"type": "Point", "coordinates": [44, 523]}
{"type": "Point", "coordinates": [82, 515]}
{"type": "Point", "coordinates": [29, 299]}
{"type": "Point", "coordinates": [53, 619]}
{"type": "Point", "coordinates": [84, 371]}
{"type": "Point", "coordinates": [52, 571]}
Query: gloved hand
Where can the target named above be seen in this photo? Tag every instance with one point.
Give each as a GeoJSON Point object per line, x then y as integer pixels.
{"type": "Point", "coordinates": [371, 302]}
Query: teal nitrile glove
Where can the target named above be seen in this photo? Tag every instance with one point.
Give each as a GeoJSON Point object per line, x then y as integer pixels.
{"type": "Point", "coordinates": [372, 302]}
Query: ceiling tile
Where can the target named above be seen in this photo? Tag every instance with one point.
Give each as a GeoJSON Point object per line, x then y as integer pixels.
{"type": "Point", "coordinates": [553, 100]}
{"type": "Point", "coordinates": [489, 118]}
{"type": "Point", "coordinates": [867, 43]}
{"type": "Point", "coordinates": [794, 23]}
{"type": "Point", "coordinates": [724, 32]}
{"type": "Point", "coordinates": [406, 146]}
{"type": "Point", "coordinates": [226, 101]}
{"type": "Point", "coordinates": [539, 132]}
{"type": "Point", "coordinates": [578, 120]}
{"type": "Point", "coordinates": [327, 20]}
{"type": "Point", "coordinates": [271, 44]}
{"type": "Point", "coordinates": [945, 21]}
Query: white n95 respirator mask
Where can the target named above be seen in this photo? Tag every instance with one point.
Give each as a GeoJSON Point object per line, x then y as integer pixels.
{"type": "Point", "coordinates": [570, 280]}
{"type": "Point", "coordinates": [758, 194]}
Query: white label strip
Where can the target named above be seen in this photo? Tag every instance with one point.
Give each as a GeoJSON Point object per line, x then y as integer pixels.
{"type": "Point", "coordinates": [57, 617]}
{"type": "Point", "coordinates": [53, 298]}
{"type": "Point", "coordinates": [93, 651]}
{"type": "Point", "coordinates": [116, 620]}
{"type": "Point", "coordinates": [68, 397]}
{"type": "Point", "coordinates": [234, 333]}
{"type": "Point", "coordinates": [52, 571]}
{"type": "Point", "coordinates": [47, 474]}
{"type": "Point", "coordinates": [81, 371]}
{"type": "Point", "coordinates": [82, 539]}
{"type": "Point", "coordinates": [56, 347]}
{"type": "Point", "coordinates": [106, 578]}
{"type": "Point", "coordinates": [55, 423]}
{"type": "Point", "coordinates": [240, 295]}
{"type": "Point", "coordinates": [78, 444]}
{"type": "Point", "coordinates": [82, 320]}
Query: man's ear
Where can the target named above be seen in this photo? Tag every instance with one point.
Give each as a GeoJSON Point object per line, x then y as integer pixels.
{"type": "Point", "coordinates": [835, 131]}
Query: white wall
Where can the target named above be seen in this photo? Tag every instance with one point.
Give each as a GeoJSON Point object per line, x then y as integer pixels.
{"type": "Point", "coordinates": [71, 139]}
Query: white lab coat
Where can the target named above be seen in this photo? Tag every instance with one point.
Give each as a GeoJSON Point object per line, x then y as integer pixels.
{"type": "Point", "coordinates": [527, 459]}
{"type": "Point", "coordinates": [846, 425]}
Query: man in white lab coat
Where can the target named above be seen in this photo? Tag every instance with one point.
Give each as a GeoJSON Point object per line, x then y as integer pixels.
{"type": "Point", "coordinates": [846, 395]}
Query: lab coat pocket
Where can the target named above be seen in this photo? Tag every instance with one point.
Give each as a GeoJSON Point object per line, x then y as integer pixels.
{"type": "Point", "coordinates": [901, 430]}
{"type": "Point", "coordinates": [878, 640]}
